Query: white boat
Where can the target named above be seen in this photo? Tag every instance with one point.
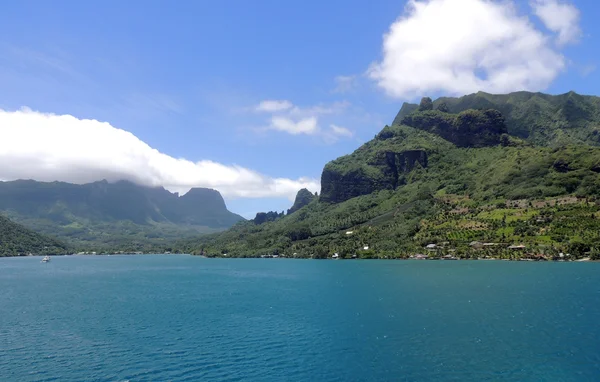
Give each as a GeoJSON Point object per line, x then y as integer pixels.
{"type": "Point", "coordinates": [46, 259]}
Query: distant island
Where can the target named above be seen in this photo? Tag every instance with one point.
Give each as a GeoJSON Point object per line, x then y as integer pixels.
{"type": "Point", "coordinates": [483, 176]}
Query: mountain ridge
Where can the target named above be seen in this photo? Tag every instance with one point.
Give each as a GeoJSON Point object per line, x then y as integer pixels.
{"type": "Point", "coordinates": [541, 119]}
{"type": "Point", "coordinates": [85, 213]}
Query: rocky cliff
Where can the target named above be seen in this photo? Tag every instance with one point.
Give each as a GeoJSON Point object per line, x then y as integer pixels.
{"type": "Point", "coordinates": [469, 128]}
{"type": "Point", "coordinates": [386, 171]}
{"type": "Point", "coordinates": [303, 197]}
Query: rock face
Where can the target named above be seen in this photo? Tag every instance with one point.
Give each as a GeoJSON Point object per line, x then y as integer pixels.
{"type": "Point", "coordinates": [386, 171]}
{"type": "Point", "coordinates": [263, 217]}
{"type": "Point", "coordinates": [303, 197]}
{"type": "Point", "coordinates": [399, 164]}
{"type": "Point", "coordinates": [470, 128]}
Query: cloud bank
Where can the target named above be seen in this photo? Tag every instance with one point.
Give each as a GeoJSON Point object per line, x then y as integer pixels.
{"type": "Point", "coordinates": [463, 46]}
{"type": "Point", "coordinates": [49, 147]}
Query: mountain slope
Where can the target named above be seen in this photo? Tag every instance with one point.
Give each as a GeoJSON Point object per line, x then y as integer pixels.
{"type": "Point", "coordinates": [17, 240]}
{"type": "Point", "coordinates": [541, 119]}
{"type": "Point", "coordinates": [113, 213]}
{"type": "Point", "coordinates": [428, 183]}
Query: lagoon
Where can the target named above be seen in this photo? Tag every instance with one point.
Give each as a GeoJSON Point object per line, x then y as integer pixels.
{"type": "Point", "coordinates": [185, 318]}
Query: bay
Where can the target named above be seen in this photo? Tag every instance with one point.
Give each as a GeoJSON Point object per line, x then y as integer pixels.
{"type": "Point", "coordinates": [184, 318]}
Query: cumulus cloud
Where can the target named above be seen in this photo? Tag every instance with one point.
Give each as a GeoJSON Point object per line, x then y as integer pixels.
{"type": "Point", "coordinates": [49, 147]}
{"type": "Point", "coordinates": [463, 46]}
{"type": "Point", "coordinates": [560, 17]}
{"type": "Point", "coordinates": [271, 106]}
{"type": "Point", "coordinates": [303, 126]}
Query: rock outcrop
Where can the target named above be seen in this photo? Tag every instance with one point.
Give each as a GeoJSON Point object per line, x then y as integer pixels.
{"type": "Point", "coordinates": [470, 128]}
{"type": "Point", "coordinates": [303, 197]}
{"type": "Point", "coordinates": [386, 171]}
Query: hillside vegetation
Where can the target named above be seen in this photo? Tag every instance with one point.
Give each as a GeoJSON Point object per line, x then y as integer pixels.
{"type": "Point", "coordinates": [16, 240]}
{"type": "Point", "coordinates": [468, 177]}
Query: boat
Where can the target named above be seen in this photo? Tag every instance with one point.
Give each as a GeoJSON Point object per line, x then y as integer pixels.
{"type": "Point", "coordinates": [46, 259]}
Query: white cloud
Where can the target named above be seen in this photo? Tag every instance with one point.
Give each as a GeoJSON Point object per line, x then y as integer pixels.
{"type": "Point", "coordinates": [272, 106]}
{"type": "Point", "coordinates": [560, 17]}
{"type": "Point", "coordinates": [340, 131]}
{"type": "Point", "coordinates": [304, 126]}
{"type": "Point", "coordinates": [463, 46]}
{"type": "Point", "coordinates": [289, 118]}
{"type": "Point", "coordinates": [48, 147]}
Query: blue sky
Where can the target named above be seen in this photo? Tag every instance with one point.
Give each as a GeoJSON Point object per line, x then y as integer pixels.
{"type": "Point", "coordinates": [188, 78]}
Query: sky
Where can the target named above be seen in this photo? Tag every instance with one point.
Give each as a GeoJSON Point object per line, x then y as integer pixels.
{"type": "Point", "coordinates": [254, 98]}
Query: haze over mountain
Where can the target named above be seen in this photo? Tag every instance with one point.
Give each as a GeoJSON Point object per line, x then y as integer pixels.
{"type": "Point", "coordinates": [113, 213]}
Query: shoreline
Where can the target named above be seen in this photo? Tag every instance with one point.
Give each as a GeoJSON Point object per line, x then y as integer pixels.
{"type": "Point", "coordinates": [581, 260]}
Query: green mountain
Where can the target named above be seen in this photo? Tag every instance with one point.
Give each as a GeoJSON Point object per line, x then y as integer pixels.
{"type": "Point", "coordinates": [303, 198]}
{"type": "Point", "coordinates": [113, 214]}
{"type": "Point", "coordinates": [542, 119]}
{"type": "Point", "coordinates": [16, 240]}
{"type": "Point", "coordinates": [450, 173]}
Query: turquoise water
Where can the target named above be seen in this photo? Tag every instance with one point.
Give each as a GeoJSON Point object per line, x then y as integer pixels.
{"type": "Point", "coordinates": [183, 318]}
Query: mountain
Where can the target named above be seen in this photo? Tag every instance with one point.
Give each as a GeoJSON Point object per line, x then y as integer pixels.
{"type": "Point", "coordinates": [113, 213]}
{"type": "Point", "coordinates": [541, 119]}
{"type": "Point", "coordinates": [16, 240]}
{"type": "Point", "coordinates": [449, 176]}
{"type": "Point", "coordinates": [303, 198]}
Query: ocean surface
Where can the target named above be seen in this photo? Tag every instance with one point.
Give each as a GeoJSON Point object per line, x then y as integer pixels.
{"type": "Point", "coordinates": [184, 318]}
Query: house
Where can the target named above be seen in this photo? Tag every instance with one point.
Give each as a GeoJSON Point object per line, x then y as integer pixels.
{"type": "Point", "coordinates": [420, 256]}
{"type": "Point", "coordinates": [349, 232]}
{"type": "Point", "coordinates": [431, 246]}
{"type": "Point", "coordinates": [366, 247]}
{"type": "Point", "coordinates": [476, 244]}
{"type": "Point", "coordinates": [335, 256]}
